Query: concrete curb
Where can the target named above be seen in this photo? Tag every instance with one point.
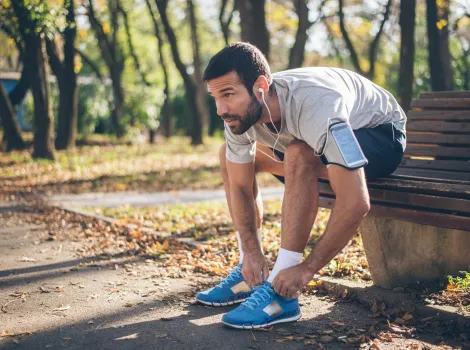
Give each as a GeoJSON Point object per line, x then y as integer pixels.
{"type": "Point", "coordinates": [368, 295]}
{"type": "Point", "coordinates": [188, 241]}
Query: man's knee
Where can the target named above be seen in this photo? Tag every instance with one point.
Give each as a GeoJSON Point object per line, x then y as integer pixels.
{"type": "Point", "coordinates": [300, 156]}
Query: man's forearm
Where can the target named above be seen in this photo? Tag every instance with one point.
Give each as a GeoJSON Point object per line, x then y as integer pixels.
{"type": "Point", "coordinates": [343, 223]}
{"type": "Point", "coordinates": [244, 217]}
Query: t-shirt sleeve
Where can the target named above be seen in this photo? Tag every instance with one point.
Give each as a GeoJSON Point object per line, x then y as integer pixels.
{"type": "Point", "coordinates": [314, 115]}
{"type": "Point", "coordinates": [239, 148]}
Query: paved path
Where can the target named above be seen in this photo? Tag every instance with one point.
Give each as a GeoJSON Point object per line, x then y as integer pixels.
{"type": "Point", "coordinates": [125, 302]}
{"type": "Point", "coordinates": [141, 199]}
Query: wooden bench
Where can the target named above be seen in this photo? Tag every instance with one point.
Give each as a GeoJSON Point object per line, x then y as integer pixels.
{"type": "Point", "coordinates": [419, 223]}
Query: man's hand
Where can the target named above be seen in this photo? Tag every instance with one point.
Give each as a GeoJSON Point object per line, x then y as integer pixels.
{"type": "Point", "coordinates": [289, 282]}
{"type": "Point", "coordinates": [255, 268]}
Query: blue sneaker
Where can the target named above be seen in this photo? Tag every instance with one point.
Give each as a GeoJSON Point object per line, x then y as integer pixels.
{"type": "Point", "coordinates": [233, 289]}
{"type": "Point", "coordinates": [263, 308]}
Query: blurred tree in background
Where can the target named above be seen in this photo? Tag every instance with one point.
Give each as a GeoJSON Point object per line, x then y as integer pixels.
{"type": "Point", "coordinates": [124, 66]}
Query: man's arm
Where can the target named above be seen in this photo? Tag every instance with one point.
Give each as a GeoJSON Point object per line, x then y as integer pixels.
{"type": "Point", "coordinates": [351, 205]}
{"type": "Point", "coordinates": [241, 178]}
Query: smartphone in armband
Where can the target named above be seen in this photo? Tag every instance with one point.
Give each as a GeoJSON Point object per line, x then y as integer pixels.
{"type": "Point", "coordinates": [342, 147]}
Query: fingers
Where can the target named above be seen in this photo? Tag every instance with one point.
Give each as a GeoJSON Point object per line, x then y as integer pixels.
{"type": "Point", "coordinates": [265, 272]}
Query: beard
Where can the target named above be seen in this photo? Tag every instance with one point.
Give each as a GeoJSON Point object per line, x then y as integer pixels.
{"type": "Point", "coordinates": [252, 115]}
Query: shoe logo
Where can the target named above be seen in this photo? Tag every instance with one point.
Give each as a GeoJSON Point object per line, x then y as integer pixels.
{"type": "Point", "coordinates": [241, 287]}
{"type": "Point", "coordinates": [273, 309]}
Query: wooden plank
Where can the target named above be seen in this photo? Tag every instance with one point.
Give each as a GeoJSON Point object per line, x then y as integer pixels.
{"type": "Point", "coordinates": [441, 103]}
{"type": "Point", "coordinates": [437, 126]}
{"type": "Point", "coordinates": [408, 199]}
{"type": "Point", "coordinates": [450, 165]}
{"type": "Point", "coordinates": [411, 215]}
{"type": "Point", "coordinates": [445, 94]}
{"type": "Point", "coordinates": [442, 114]}
{"type": "Point", "coordinates": [424, 186]}
{"type": "Point", "coordinates": [438, 139]}
{"type": "Point", "coordinates": [434, 174]}
{"type": "Point", "coordinates": [438, 151]}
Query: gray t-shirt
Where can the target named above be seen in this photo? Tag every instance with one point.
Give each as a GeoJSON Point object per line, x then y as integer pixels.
{"type": "Point", "coordinates": [312, 98]}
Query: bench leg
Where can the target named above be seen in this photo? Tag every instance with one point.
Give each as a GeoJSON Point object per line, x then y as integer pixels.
{"type": "Point", "coordinates": [402, 252]}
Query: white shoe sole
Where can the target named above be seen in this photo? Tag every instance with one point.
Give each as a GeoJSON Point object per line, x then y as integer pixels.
{"type": "Point", "coordinates": [290, 319]}
{"type": "Point", "coordinates": [228, 303]}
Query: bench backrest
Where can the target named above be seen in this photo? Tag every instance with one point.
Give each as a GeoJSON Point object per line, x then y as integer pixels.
{"type": "Point", "coordinates": [438, 137]}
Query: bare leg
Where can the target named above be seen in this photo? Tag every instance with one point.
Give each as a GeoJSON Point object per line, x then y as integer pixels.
{"type": "Point", "coordinates": [300, 205]}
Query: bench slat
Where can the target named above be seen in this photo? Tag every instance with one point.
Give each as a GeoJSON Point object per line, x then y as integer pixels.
{"type": "Point", "coordinates": [437, 126]}
{"type": "Point", "coordinates": [451, 165]}
{"type": "Point", "coordinates": [434, 174]}
{"type": "Point", "coordinates": [441, 103]}
{"type": "Point", "coordinates": [412, 215]}
{"type": "Point", "coordinates": [438, 151]}
{"type": "Point", "coordinates": [439, 115]}
{"type": "Point", "coordinates": [438, 139]}
{"type": "Point", "coordinates": [424, 186]}
{"type": "Point", "coordinates": [411, 199]}
{"type": "Point", "coordinates": [445, 94]}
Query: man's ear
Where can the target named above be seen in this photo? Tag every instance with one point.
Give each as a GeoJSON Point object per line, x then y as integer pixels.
{"type": "Point", "coordinates": [260, 83]}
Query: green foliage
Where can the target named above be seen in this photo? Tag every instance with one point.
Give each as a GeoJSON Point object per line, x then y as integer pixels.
{"type": "Point", "coordinates": [457, 282]}
{"type": "Point", "coordinates": [93, 107]}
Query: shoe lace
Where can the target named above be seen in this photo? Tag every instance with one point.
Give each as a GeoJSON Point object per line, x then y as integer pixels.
{"type": "Point", "coordinates": [232, 277]}
{"type": "Point", "coordinates": [263, 294]}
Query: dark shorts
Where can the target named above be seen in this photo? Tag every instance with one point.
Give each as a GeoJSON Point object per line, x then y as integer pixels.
{"type": "Point", "coordinates": [383, 146]}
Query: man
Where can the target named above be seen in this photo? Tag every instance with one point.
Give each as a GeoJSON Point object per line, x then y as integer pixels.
{"type": "Point", "coordinates": [286, 124]}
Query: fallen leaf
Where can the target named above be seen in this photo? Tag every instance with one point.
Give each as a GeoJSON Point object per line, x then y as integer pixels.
{"type": "Point", "coordinates": [326, 339]}
{"type": "Point", "coordinates": [127, 337]}
{"type": "Point", "coordinates": [26, 259]}
{"type": "Point", "coordinates": [338, 324]}
{"type": "Point", "coordinates": [44, 290]}
{"type": "Point", "coordinates": [168, 318]}
{"type": "Point", "coordinates": [62, 308]}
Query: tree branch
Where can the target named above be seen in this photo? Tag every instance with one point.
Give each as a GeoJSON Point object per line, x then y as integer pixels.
{"type": "Point", "coordinates": [54, 60]}
{"type": "Point", "coordinates": [103, 41]}
{"type": "Point", "coordinates": [131, 45]}
{"type": "Point", "coordinates": [375, 43]}
{"type": "Point", "coordinates": [349, 44]}
{"type": "Point", "coordinates": [91, 64]}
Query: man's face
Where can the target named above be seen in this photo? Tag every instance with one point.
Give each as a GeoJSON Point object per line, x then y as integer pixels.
{"type": "Point", "coordinates": [235, 105]}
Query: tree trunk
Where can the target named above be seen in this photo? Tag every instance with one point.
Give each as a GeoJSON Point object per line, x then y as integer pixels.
{"type": "Point", "coordinates": [43, 120]}
{"type": "Point", "coordinates": [297, 52]}
{"type": "Point", "coordinates": [35, 60]}
{"type": "Point", "coordinates": [21, 88]}
{"type": "Point", "coordinates": [196, 127]}
{"type": "Point", "coordinates": [443, 13]}
{"type": "Point", "coordinates": [253, 24]}
{"type": "Point", "coordinates": [68, 100]}
{"type": "Point", "coordinates": [225, 23]}
{"type": "Point", "coordinates": [114, 59]}
{"type": "Point", "coordinates": [407, 52]}
{"type": "Point", "coordinates": [166, 109]}
{"type": "Point", "coordinates": [434, 46]}
{"type": "Point", "coordinates": [11, 129]}
{"type": "Point", "coordinates": [200, 86]}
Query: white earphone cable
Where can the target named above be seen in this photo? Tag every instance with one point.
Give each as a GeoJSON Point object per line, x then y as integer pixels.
{"type": "Point", "coordinates": [277, 131]}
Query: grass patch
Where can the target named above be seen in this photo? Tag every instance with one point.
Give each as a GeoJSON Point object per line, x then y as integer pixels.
{"type": "Point", "coordinates": [210, 224]}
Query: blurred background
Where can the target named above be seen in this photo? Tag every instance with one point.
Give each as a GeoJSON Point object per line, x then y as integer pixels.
{"type": "Point", "coordinates": [84, 72]}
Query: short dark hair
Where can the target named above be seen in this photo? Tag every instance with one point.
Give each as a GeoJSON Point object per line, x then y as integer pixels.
{"type": "Point", "coordinates": [245, 59]}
